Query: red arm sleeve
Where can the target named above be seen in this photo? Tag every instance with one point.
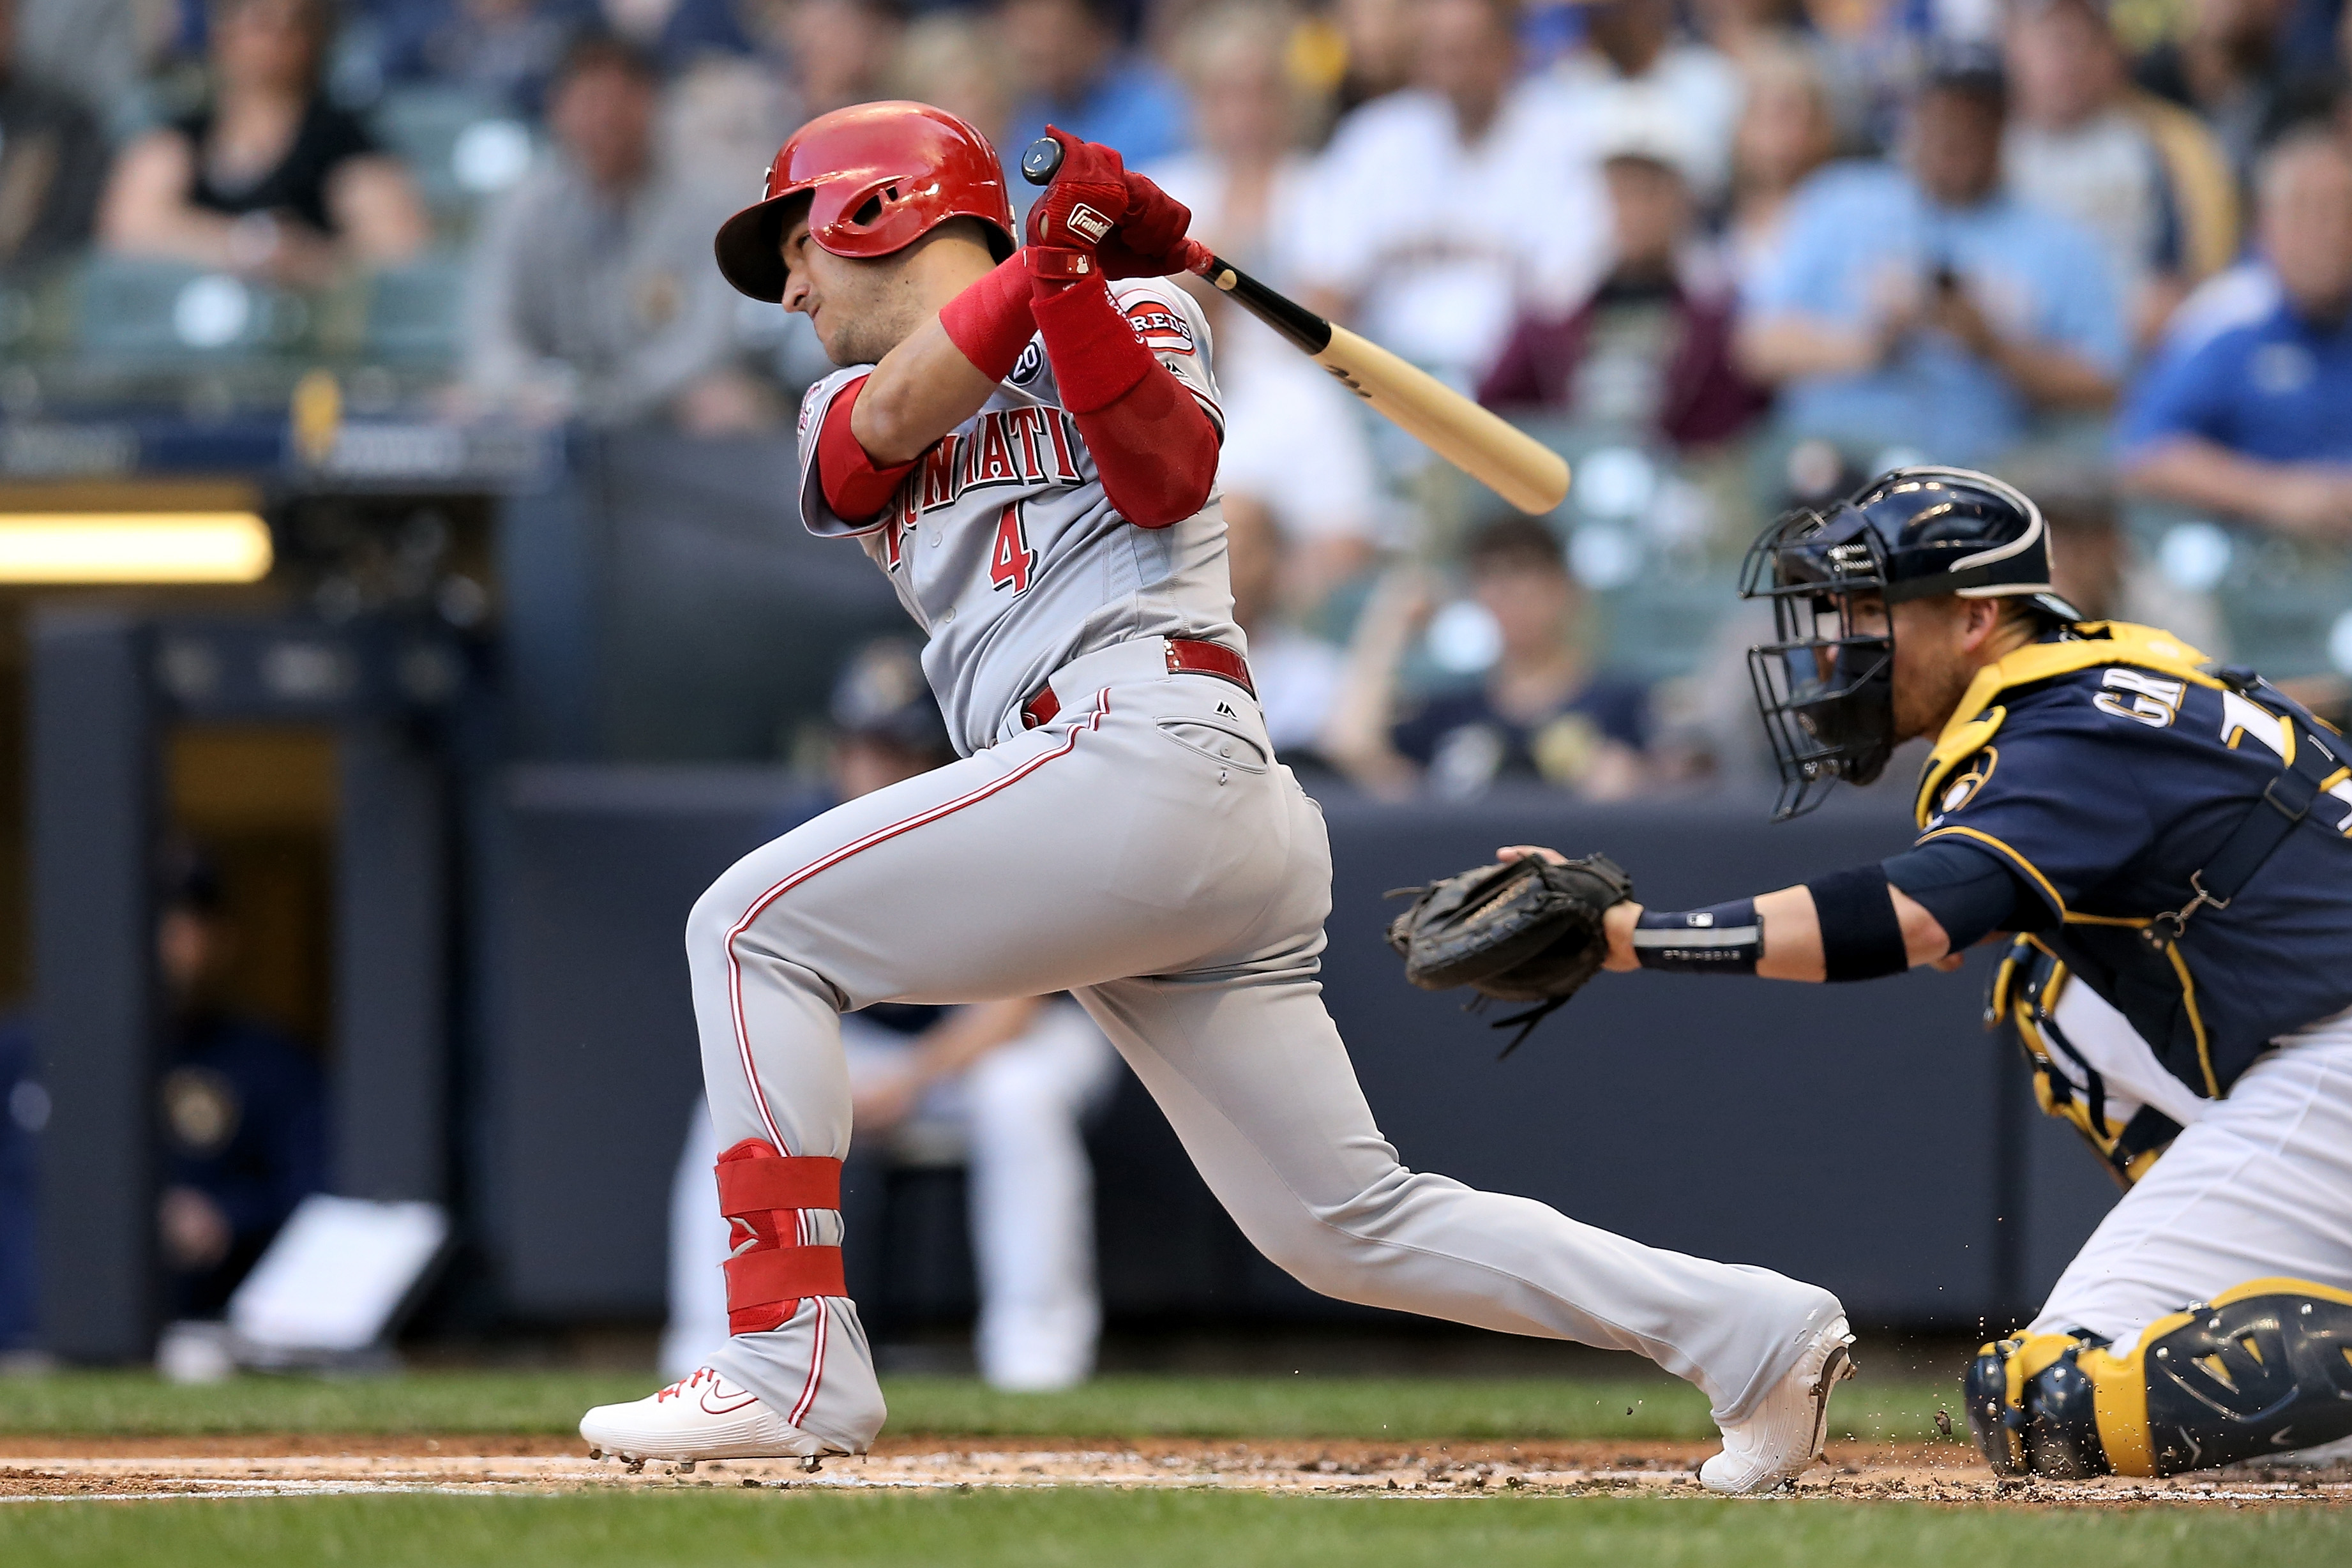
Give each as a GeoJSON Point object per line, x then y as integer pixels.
{"type": "Point", "coordinates": [853, 487]}
{"type": "Point", "coordinates": [1152, 443]}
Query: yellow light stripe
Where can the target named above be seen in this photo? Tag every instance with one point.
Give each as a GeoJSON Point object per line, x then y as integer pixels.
{"type": "Point", "coordinates": [133, 547]}
{"type": "Point", "coordinates": [2023, 864]}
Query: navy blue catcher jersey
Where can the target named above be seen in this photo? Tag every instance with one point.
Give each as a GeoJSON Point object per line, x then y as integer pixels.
{"type": "Point", "coordinates": [2105, 769]}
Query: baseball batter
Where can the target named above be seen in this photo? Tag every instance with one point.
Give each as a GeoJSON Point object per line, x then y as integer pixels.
{"type": "Point", "coordinates": [1025, 442]}
{"type": "Point", "coordinates": [2170, 839]}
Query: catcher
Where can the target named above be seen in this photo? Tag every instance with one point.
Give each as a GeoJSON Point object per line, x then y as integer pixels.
{"type": "Point", "coordinates": [2169, 844]}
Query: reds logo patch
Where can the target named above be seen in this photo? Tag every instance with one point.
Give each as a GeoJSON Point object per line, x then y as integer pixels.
{"type": "Point", "coordinates": [1162, 330]}
{"type": "Point", "coordinates": [808, 408]}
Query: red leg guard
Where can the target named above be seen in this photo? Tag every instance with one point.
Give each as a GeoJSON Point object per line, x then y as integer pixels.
{"type": "Point", "coordinates": [762, 1193]}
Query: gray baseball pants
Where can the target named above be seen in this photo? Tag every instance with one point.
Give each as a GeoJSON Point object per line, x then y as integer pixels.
{"type": "Point", "coordinates": [1147, 854]}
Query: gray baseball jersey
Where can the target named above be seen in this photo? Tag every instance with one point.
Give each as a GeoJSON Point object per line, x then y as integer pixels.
{"type": "Point", "coordinates": [1004, 548]}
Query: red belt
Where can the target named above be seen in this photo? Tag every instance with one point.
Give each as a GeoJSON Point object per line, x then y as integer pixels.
{"type": "Point", "coordinates": [1186, 656]}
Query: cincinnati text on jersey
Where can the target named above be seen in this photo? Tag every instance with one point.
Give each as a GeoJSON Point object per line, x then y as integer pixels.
{"type": "Point", "coordinates": [1019, 446]}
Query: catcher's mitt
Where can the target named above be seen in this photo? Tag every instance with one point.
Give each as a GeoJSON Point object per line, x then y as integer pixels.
{"type": "Point", "coordinates": [1526, 931]}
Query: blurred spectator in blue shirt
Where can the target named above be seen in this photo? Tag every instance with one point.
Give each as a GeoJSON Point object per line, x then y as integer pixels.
{"type": "Point", "coordinates": [1072, 68]}
{"type": "Point", "coordinates": [244, 1115]}
{"type": "Point", "coordinates": [2248, 409]}
{"type": "Point", "coordinates": [268, 178]}
{"type": "Point", "coordinates": [1928, 309]}
{"type": "Point", "coordinates": [504, 49]}
{"type": "Point", "coordinates": [52, 162]}
{"type": "Point", "coordinates": [1540, 715]}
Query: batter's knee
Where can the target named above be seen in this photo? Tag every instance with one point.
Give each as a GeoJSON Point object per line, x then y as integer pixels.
{"type": "Point", "coordinates": [1330, 1249]}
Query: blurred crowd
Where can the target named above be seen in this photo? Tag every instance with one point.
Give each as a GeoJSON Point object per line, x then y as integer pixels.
{"type": "Point", "coordinates": [1728, 254]}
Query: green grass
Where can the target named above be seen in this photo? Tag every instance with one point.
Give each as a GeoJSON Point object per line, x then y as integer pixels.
{"type": "Point", "coordinates": [1414, 1409]}
{"type": "Point", "coordinates": [1145, 1530]}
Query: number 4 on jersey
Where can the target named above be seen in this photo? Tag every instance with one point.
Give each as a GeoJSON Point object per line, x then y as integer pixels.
{"type": "Point", "coordinates": [1011, 561]}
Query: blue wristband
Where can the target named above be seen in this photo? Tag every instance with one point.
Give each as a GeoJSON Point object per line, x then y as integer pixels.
{"type": "Point", "coordinates": [1723, 938]}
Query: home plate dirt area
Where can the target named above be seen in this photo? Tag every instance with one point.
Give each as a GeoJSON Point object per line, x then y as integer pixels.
{"type": "Point", "coordinates": [263, 1464]}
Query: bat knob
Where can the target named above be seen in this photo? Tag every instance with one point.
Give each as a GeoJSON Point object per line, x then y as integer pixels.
{"type": "Point", "coordinates": [1042, 160]}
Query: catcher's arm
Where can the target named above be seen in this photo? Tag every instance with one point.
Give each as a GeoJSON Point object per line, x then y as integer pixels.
{"type": "Point", "coordinates": [1790, 921]}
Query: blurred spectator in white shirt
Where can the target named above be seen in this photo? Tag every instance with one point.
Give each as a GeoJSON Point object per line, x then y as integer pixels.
{"type": "Point", "coordinates": [1296, 676]}
{"type": "Point", "coordinates": [1634, 66]}
{"type": "Point", "coordinates": [592, 295]}
{"type": "Point", "coordinates": [2140, 174]}
{"type": "Point", "coordinates": [1786, 132]}
{"type": "Point", "coordinates": [1293, 435]}
{"type": "Point", "coordinates": [1375, 38]}
{"type": "Point", "coordinates": [1075, 70]}
{"type": "Point", "coordinates": [1437, 209]}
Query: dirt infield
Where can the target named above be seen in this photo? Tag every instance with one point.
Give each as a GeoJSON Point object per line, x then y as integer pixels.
{"type": "Point", "coordinates": [246, 1465]}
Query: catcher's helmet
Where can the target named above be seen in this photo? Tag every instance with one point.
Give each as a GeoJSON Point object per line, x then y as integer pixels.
{"type": "Point", "coordinates": [1826, 689]}
{"type": "Point", "coordinates": [878, 176]}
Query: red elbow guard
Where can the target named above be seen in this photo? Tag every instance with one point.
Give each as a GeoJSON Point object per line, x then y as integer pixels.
{"type": "Point", "coordinates": [991, 322]}
{"type": "Point", "coordinates": [854, 487]}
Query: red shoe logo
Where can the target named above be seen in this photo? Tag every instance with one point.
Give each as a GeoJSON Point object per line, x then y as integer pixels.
{"type": "Point", "coordinates": [741, 1398]}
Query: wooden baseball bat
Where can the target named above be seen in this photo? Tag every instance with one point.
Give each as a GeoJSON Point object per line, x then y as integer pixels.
{"type": "Point", "coordinates": [1516, 467]}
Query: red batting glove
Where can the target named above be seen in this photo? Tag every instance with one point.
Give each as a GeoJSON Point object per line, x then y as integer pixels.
{"type": "Point", "coordinates": [1083, 206]}
{"type": "Point", "coordinates": [1150, 240]}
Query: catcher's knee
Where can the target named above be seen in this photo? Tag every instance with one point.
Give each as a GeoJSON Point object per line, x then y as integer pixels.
{"type": "Point", "coordinates": [2264, 1368]}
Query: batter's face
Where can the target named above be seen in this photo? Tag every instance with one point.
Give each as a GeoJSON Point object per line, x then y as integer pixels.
{"type": "Point", "coordinates": [861, 309]}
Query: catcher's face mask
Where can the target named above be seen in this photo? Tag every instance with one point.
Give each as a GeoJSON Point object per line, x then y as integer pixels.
{"type": "Point", "coordinates": [1826, 685]}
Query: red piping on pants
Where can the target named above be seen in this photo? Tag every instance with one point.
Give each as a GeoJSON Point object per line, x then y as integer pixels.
{"type": "Point", "coordinates": [735, 969]}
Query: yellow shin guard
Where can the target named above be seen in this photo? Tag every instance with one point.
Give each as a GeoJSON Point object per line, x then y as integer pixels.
{"type": "Point", "coordinates": [2264, 1368]}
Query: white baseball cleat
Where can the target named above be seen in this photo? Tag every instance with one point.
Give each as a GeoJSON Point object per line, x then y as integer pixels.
{"type": "Point", "coordinates": [699, 1417]}
{"type": "Point", "coordinates": [1784, 1436]}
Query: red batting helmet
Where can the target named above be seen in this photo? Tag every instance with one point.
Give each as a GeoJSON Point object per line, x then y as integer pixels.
{"type": "Point", "coordinates": [880, 176]}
